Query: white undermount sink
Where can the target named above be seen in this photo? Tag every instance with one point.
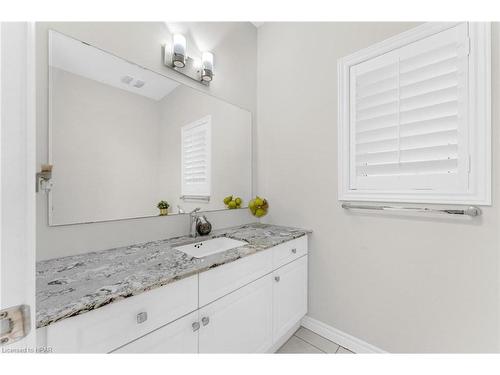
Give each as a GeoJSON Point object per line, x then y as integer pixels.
{"type": "Point", "coordinates": [209, 247]}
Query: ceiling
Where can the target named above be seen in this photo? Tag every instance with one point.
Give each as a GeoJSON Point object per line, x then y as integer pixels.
{"type": "Point", "coordinates": [84, 60]}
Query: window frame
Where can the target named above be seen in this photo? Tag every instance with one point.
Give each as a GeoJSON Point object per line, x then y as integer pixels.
{"type": "Point", "coordinates": [479, 116]}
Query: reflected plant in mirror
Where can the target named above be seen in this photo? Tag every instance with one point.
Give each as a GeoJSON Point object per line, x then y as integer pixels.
{"type": "Point", "coordinates": [122, 133]}
{"type": "Point", "coordinates": [163, 207]}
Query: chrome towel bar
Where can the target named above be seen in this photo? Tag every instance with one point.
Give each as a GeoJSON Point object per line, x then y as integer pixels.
{"type": "Point", "coordinates": [467, 211]}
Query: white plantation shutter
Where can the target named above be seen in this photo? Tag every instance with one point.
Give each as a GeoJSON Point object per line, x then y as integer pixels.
{"type": "Point", "coordinates": [408, 116]}
{"type": "Point", "coordinates": [196, 158]}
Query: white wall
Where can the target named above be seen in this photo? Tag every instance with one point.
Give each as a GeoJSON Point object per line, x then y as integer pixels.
{"type": "Point", "coordinates": [106, 148]}
{"type": "Point", "coordinates": [231, 169]}
{"type": "Point", "coordinates": [404, 284]}
{"type": "Point", "coordinates": [234, 46]}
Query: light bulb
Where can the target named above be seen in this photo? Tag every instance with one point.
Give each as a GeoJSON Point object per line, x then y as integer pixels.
{"type": "Point", "coordinates": [207, 62]}
{"type": "Point", "coordinates": [179, 51]}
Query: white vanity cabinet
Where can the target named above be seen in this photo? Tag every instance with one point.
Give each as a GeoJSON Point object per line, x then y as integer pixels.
{"type": "Point", "coordinates": [251, 305]}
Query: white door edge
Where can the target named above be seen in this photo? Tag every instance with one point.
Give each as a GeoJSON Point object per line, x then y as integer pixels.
{"type": "Point", "coordinates": [17, 172]}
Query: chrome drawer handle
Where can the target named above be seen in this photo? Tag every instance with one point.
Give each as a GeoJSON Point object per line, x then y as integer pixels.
{"type": "Point", "coordinates": [205, 320]}
{"type": "Point", "coordinates": [277, 278]}
{"type": "Point", "coordinates": [142, 317]}
{"type": "Point", "coordinates": [294, 251]}
{"type": "Point", "coordinates": [196, 326]}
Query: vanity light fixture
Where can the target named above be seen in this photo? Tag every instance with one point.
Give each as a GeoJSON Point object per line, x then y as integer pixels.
{"type": "Point", "coordinates": [175, 57]}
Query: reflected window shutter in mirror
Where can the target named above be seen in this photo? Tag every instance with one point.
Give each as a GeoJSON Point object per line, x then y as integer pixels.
{"type": "Point", "coordinates": [196, 158]}
{"type": "Point", "coordinates": [408, 111]}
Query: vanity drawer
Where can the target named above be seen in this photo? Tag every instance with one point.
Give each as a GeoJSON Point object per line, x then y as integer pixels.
{"type": "Point", "coordinates": [224, 279]}
{"type": "Point", "coordinates": [113, 325]}
{"type": "Point", "coordinates": [289, 251]}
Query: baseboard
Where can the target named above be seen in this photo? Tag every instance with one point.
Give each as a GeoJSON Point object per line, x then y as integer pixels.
{"type": "Point", "coordinates": [344, 339]}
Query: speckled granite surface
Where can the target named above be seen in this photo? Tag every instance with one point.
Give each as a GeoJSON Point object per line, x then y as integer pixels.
{"type": "Point", "coordinates": [76, 284]}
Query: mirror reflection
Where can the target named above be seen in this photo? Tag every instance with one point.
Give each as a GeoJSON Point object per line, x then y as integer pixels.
{"type": "Point", "coordinates": [127, 142]}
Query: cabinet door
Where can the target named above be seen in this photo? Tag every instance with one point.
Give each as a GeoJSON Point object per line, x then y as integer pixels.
{"type": "Point", "coordinates": [289, 296]}
{"type": "Point", "coordinates": [180, 336]}
{"type": "Point", "coordinates": [240, 322]}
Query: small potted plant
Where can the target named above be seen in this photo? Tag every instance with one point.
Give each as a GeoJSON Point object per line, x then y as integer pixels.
{"type": "Point", "coordinates": [163, 206]}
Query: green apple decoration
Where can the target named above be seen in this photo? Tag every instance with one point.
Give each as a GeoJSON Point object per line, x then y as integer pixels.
{"type": "Point", "coordinates": [233, 203]}
{"type": "Point", "coordinates": [258, 206]}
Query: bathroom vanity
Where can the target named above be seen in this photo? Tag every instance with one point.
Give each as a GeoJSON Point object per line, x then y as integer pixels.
{"type": "Point", "coordinates": [155, 298]}
{"type": "Point", "coordinates": [242, 289]}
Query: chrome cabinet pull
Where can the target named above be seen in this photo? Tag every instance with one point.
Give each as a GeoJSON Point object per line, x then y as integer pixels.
{"type": "Point", "coordinates": [205, 320]}
{"type": "Point", "coordinates": [294, 251]}
{"type": "Point", "coordinates": [277, 278]}
{"type": "Point", "coordinates": [196, 326]}
{"type": "Point", "coordinates": [142, 317]}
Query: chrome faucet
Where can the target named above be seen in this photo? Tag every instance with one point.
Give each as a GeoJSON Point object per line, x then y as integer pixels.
{"type": "Point", "coordinates": [193, 218]}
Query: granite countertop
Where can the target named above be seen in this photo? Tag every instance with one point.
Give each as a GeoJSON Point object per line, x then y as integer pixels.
{"type": "Point", "coordinates": [76, 284]}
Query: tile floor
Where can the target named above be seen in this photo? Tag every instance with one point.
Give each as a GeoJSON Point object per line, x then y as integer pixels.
{"type": "Point", "coordinates": [308, 342]}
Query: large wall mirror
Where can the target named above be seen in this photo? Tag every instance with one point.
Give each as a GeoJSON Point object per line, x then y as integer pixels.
{"type": "Point", "coordinates": [123, 138]}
